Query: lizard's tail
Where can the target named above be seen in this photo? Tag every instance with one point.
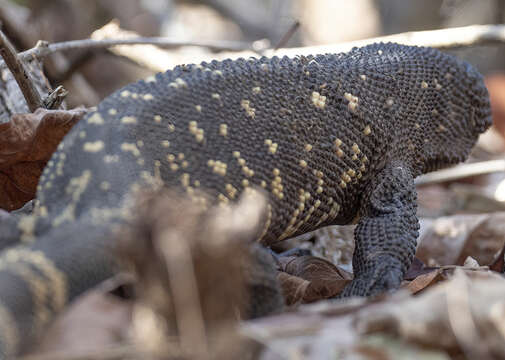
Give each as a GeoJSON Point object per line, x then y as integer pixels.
{"type": "Point", "coordinates": [40, 279]}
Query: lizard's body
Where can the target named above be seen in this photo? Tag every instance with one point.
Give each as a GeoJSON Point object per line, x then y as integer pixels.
{"type": "Point", "coordinates": [330, 139]}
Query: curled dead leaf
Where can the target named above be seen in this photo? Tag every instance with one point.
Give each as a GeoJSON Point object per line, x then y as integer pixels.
{"type": "Point", "coordinates": [306, 279]}
{"type": "Point", "coordinates": [293, 287]}
{"type": "Point", "coordinates": [27, 142]}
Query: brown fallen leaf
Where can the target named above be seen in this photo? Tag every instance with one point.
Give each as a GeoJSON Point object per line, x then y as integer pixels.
{"type": "Point", "coordinates": [293, 288]}
{"type": "Point", "coordinates": [422, 276]}
{"type": "Point", "coordinates": [306, 279]}
{"type": "Point", "coordinates": [27, 142]}
{"type": "Point", "coordinates": [424, 280]}
{"type": "Point", "coordinates": [450, 240]}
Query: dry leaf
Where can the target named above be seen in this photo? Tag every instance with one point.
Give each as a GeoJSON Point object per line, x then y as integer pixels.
{"type": "Point", "coordinates": [293, 288]}
{"type": "Point", "coordinates": [450, 240]}
{"type": "Point", "coordinates": [317, 279]}
{"type": "Point", "coordinates": [27, 142]}
{"type": "Point", "coordinates": [425, 280]}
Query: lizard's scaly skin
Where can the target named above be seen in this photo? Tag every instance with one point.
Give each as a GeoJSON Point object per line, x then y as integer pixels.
{"type": "Point", "coordinates": [330, 138]}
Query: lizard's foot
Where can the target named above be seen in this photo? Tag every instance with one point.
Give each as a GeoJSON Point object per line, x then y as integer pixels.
{"type": "Point", "coordinates": [382, 274]}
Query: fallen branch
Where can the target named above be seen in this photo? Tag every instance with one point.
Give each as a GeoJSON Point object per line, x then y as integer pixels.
{"type": "Point", "coordinates": [462, 171]}
{"type": "Point", "coordinates": [15, 65]}
{"type": "Point", "coordinates": [441, 39]}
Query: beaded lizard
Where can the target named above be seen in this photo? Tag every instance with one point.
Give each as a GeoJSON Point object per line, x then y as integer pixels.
{"type": "Point", "coordinates": [331, 139]}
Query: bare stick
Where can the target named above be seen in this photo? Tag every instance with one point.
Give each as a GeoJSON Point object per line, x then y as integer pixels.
{"type": "Point", "coordinates": [462, 171]}
{"type": "Point", "coordinates": [20, 74]}
{"type": "Point", "coordinates": [43, 49]}
{"type": "Point", "coordinates": [288, 35]}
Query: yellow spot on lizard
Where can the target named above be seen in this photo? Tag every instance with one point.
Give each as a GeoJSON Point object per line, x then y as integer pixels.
{"type": "Point", "coordinates": [96, 118]}
{"type": "Point", "coordinates": [128, 147]}
{"type": "Point", "coordinates": [318, 100]}
{"type": "Point", "coordinates": [93, 146]}
{"type": "Point", "coordinates": [129, 120]}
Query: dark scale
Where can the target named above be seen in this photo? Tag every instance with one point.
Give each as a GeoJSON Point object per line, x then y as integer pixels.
{"type": "Point", "coordinates": [329, 138]}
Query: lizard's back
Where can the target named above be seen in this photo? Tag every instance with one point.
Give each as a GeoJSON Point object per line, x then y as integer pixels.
{"type": "Point", "coordinates": [304, 129]}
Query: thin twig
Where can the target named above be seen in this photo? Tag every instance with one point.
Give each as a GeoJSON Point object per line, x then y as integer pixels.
{"type": "Point", "coordinates": [162, 42]}
{"type": "Point", "coordinates": [43, 48]}
{"type": "Point", "coordinates": [288, 35]}
{"type": "Point", "coordinates": [15, 65]}
{"type": "Point", "coordinates": [462, 171]}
